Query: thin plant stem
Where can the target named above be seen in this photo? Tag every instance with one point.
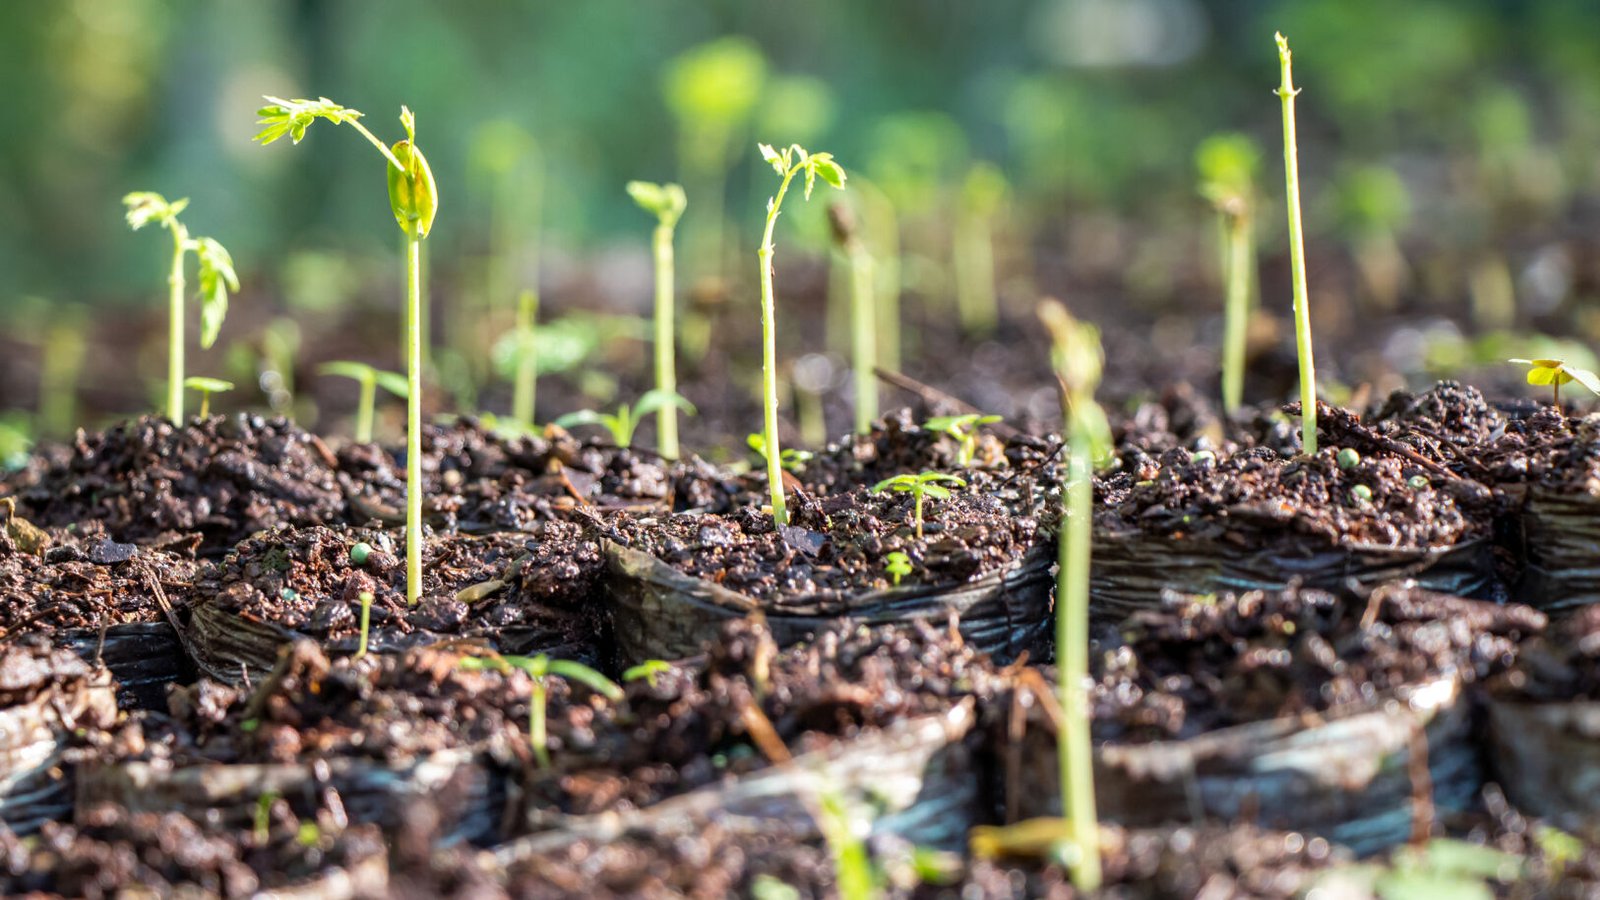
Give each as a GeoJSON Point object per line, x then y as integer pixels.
{"type": "Point", "coordinates": [382, 147]}
{"type": "Point", "coordinates": [769, 356]}
{"type": "Point", "coordinates": [180, 244]}
{"type": "Point", "coordinates": [205, 404]}
{"type": "Point", "coordinates": [1236, 316]}
{"type": "Point", "coordinates": [364, 408]}
{"type": "Point", "coordinates": [538, 732]}
{"type": "Point", "coordinates": [863, 336]}
{"type": "Point", "coordinates": [524, 389]}
{"type": "Point", "coordinates": [413, 421]}
{"type": "Point", "coordinates": [916, 502]}
{"type": "Point", "coordinates": [366, 622]}
{"type": "Point", "coordinates": [666, 348]}
{"type": "Point", "coordinates": [974, 274]}
{"type": "Point", "coordinates": [1073, 748]}
{"type": "Point", "coordinates": [1297, 256]}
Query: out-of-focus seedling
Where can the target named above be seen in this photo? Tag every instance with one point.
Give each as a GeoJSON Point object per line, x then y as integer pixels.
{"type": "Point", "coordinates": [1228, 164]}
{"type": "Point", "coordinates": [898, 565]}
{"type": "Point", "coordinates": [206, 387]}
{"type": "Point", "coordinates": [649, 670]}
{"type": "Point", "coordinates": [666, 203]}
{"type": "Point", "coordinates": [1555, 373]}
{"type": "Point", "coordinates": [983, 196]}
{"type": "Point", "coordinates": [622, 423]}
{"type": "Point", "coordinates": [924, 485]}
{"type": "Point", "coordinates": [539, 668]}
{"type": "Point", "coordinates": [1373, 207]}
{"type": "Point", "coordinates": [963, 429]}
{"type": "Point", "coordinates": [863, 314]}
{"type": "Point", "coordinates": [790, 459]}
{"type": "Point", "coordinates": [368, 379]}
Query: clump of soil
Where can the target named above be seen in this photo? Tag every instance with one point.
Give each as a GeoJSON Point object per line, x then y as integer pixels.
{"type": "Point", "coordinates": [79, 582]}
{"type": "Point", "coordinates": [1563, 666]}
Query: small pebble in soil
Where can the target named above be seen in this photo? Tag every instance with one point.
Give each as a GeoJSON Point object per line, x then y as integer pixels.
{"type": "Point", "coordinates": [360, 552]}
{"type": "Point", "coordinates": [1361, 494]}
{"type": "Point", "coordinates": [1417, 482]}
{"type": "Point", "coordinates": [1348, 458]}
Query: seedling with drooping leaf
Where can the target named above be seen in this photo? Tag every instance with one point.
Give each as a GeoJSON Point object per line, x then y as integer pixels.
{"type": "Point", "coordinates": [1228, 164]}
{"type": "Point", "coordinates": [863, 314]}
{"type": "Point", "coordinates": [791, 161]}
{"type": "Point", "coordinates": [898, 565]}
{"type": "Point", "coordinates": [369, 379]}
{"type": "Point", "coordinates": [790, 459]}
{"type": "Point", "coordinates": [206, 387]}
{"type": "Point", "coordinates": [622, 423]}
{"type": "Point", "coordinates": [1555, 373]}
{"type": "Point", "coordinates": [649, 670]}
{"type": "Point", "coordinates": [666, 202]}
{"type": "Point", "coordinates": [983, 195]}
{"type": "Point", "coordinates": [1078, 358]}
{"type": "Point", "coordinates": [217, 278]}
{"type": "Point", "coordinates": [920, 487]}
{"type": "Point", "coordinates": [964, 430]}
{"type": "Point", "coordinates": [1297, 255]}
{"type": "Point", "coordinates": [414, 200]}
{"type": "Point", "coordinates": [539, 668]}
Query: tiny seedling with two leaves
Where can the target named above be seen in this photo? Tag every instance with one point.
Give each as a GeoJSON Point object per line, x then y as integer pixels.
{"type": "Point", "coordinates": [539, 668]}
{"type": "Point", "coordinates": [898, 565]}
{"type": "Point", "coordinates": [1555, 373]}
{"type": "Point", "coordinates": [625, 420]}
{"type": "Point", "coordinates": [920, 487]}
{"type": "Point", "coordinates": [790, 459]}
{"type": "Point", "coordinates": [206, 387]}
{"type": "Point", "coordinates": [369, 379]}
{"type": "Point", "coordinates": [963, 429]}
{"type": "Point", "coordinates": [217, 278]}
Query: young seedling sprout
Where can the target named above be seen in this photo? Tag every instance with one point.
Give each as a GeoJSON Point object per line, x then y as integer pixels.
{"type": "Point", "coordinates": [927, 484]}
{"type": "Point", "coordinates": [1555, 373]}
{"type": "Point", "coordinates": [649, 670]}
{"type": "Point", "coordinates": [666, 203]}
{"type": "Point", "coordinates": [216, 280]}
{"type": "Point", "coordinates": [622, 423]}
{"type": "Point", "coordinates": [1078, 358]}
{"type": "Point", "coordinates": [1297, 257]}
{"type": "Point", "coordinates": [369, 379]}
{"type": "Point", "coordinates": [983, 194]}
{"type": "Point", "coordinates": [366, 621]}
{"type": "Point", "coordinates": [898, 565]}
{"type": "Point", "coordinates": [414, 199]}
{"type": "Point", "coordinates": [206, 387]}
{"type": "Point", "coordinates": [863, 314]}
{"type": "Point", "coordinates": [791, 161]}
{"type": "Point", "coordinates": [964, 430]}
{"type": "Point", "coordinates": [790, 459]}
{"type": "Point", "coordinates": [1228, 164]}
{"type": "Point", "coordinates": [539, 668]}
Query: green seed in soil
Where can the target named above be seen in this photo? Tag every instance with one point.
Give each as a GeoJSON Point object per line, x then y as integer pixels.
{"type": "Point", "coordinates": [1361, 494]}
{"type": "Point", "coordinates": [1202, 456]}
{"type": "Point", "coordinates": [1348, 458]}
{"type": "Point", "coordinates": [360, 552]}
{"type": "Point", "coordinates": [1417, 482]}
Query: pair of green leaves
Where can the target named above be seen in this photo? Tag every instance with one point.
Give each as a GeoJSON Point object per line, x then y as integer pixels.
{"type": "Point", "coordinates": [363, 374]}
{"type": "Point", "coordinates": [217, 277]}
{"type": "Point", "coordinates": [626, 419]}
{"type": "Point", "coordinates": [790, 459]}
{"type": "Point", "coordinates": [964, 430]}
{"type": "Point", "coordinates": [1079, 359]}
{"type": "Point", "coordinates": [665, 201]}
{"type": "Point", "coordinates": [794, 159]}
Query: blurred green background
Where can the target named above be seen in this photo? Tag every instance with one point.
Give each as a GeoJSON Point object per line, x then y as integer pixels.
{"type": "Point", "coordinates": [1462, 127]}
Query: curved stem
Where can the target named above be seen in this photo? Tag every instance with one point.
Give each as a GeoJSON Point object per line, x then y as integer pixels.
{"type": "Point", "coordinates": [413, 421]}
{"type": "Point", "coordinates": [666, 372]}
{"type": "Point", "coordinates": [180, 245]}
{"type": "Point", "coordinates": [382, 147]}
{"type": "Point", "coordinates": [769, 356]}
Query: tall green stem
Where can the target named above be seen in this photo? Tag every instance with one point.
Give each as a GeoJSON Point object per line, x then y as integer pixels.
{"type": "Point", "coordinates": [413, 420]}
{"type": "Point", "coordinates": [1073, 747]}
{"type": "Point", "coordinates": [974, 275]}
{"type": "Point", "coordinates": [863, 335]}
{"type": "Point", "coordinates": [180, 241]}
{"type": "Point", "coordinates": [525, 387]}
{"type": "Point", "coordinates": [364, 407]}
{"type": "Point", "coordinates": [769, 356]}
{"type": "Point", "coordinates": [666, 346]}
{"type": "Point", "coordinates": [1297, 256]}
{"type": "Point", "coordinates": [1236, 316]}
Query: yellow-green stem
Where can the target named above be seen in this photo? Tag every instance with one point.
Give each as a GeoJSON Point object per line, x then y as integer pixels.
{"type": "Point", "coordinates": [366, 622]}
{"type": "Point", "coordinates": [524, 390]}
{"type": "Point", "coordinates": [666, 347]}
{"type": "Point", "coordinates": [537, 728]}
{"type": "Point", "coordinates": [769, 357]}
{"type": "Point", "coordinates": [364, 408]}
{"type": "Point", "coordinates": [205, 405]}
{"type": "Point", "coordinates": [863, 336]}
{"type": "Point", "coordinates": [180, 240]}
{"type": "Point", "coordinates": [974, 275]}
{"type": "Point", "coordinates": [1073, 747]}
{"type": "Point", "coordinates": [1297, 257]}
{"type": "Point", "coordinates": [916, 514]}
{"type": "Point", "coordinates": [1236, 315]}
{"type": "Point", "coordinates": [413, 421]}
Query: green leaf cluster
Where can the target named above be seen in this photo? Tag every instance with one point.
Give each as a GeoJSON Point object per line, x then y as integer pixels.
{"type": "Point", "coordinates": [626, 419]}
{"type": "Point", "coordinates": [665, 201]}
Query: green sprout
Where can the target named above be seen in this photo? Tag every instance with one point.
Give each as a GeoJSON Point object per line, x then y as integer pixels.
{"type": "Point", "coordinates": [525, 382]}
{"type": "Point", "coordinates": [1297, 257]}
{"type": "Point", "coordinates": [667, 203]}
{"type": "Point", "coordinates": [863, 314]}
{"type": "Point", "coordinates": [983, 195]}
{"type": "Point", "coordinates": [216, 280]}
{"type": "Point", "coordinates": [844, 829]}
{"type": "Point", "coordinates": [622, 423]}
{"type": "Point", "coordinates": [791, 161]}
{"type": "Point", "coordinates": [414, 200]}
{"type": "Point", "coordinates": [649, 670]}
{"type": "Point", "coordinates": [366, 621]}
{"type": "Point", "coordinates": [1373, 207]}
{"type": "Point", "coordinates": [369, 379]}
{"type": "Point", "coordinates": [1555, 373]}
{"type": "Point", "coordinates": [927, 484]}
{"type": "Point", "coordinates": [898, 565]}
{"type": "Point", "coordinates": [539, 668]}
{"type": "Point", "coordinates": [1078, 359]}
{"type": "Point", "coordinates": [789, 459]}
{"type": "Point", "coordinates": [16, 440]}
{"type": "Point", "coordinates": [261, 822]}
{"type": "Point", "coordinates": [964, 430]}
{"type": "Point", "coordinates": [1228, 164]}
{"type": "Point", "coordinates": [206, 387]}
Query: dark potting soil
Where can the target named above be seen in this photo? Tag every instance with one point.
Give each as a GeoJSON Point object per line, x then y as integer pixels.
{"type": "Point", "coordinates": [89, 581]}
{"type": "Point", "coordinates": [1563, 666]}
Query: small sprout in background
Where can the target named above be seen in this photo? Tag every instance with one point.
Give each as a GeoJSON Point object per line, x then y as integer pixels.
{"type": "Point", "coordinates": [1361, 495]}
{"type": "Point", "coordinates": [666, 203]}
{"type": "Point", "coordinates": [845, 826]}
{"type": "Point", "coordinates": [863, 314]}
{"type": "Point", "coordinates": [1418, 482]}
{"type": "Point", "coordinates": [1555, 373]}
{"type": "Point", "coordinates": [1348, 458]}
{"type": "Point", "coordinates": [983, 195]}
{"type": "Point", "coordinates": [927, 484]}
{"type": "Point", "coordinates": [1228, 165]}
{"type": "Point", "coordinates": [525, 380]}
{"type": "Point", "coordinates": [898, 565]}
{"type": "Point", "coordinates": [16, 440]}
{"type": "Point", "coordinates": [539, 668]}
{"type": "Point", "coordinates": [308, 835]}
{"type": "Point", "coordinates": [507, 169]}
{"type": "Point", "coordinates": [622, 423]}
{"type": "Point", "coordinates": [1202, 458]}
{"type": "Point", "coordinates": [369, 379]}
{"type": "Point", "coordinates": [1297, 256]}
{"type": "Point", "coordinates": [261, 822]}
{"type": "Point", "coordinates": [366, 612]}
{"type": "Point", "coordinates": [206, 387]}
{"type": "Point", "coordinates": [789, 162]}
{"type": "Point", "coordinates": [963, 430]}
{"type": "Point", "coordinates": [790, 459]}
{"type": "Point", "coordinates": [360, 552]}
{"type": "Point", "coordinates": [649, 670]}
{"type": "Point", "coordinates": [217, 278]}
{"type": "Point", "coordinates": [1373, 208]}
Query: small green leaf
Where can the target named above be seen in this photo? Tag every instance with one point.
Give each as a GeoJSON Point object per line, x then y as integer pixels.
{"type": "Point", "coordinates": [830, 171]}
{"type": "Point", "coordinates": [393, 382]}
{"type": "Point", "coordinates": [657, 399]}
{"type": "Point", "coordinates": [666, 202]}
{"type": "Point", "coordinates": [779, 164]}
{"type": "Point", "coordinates": [217, 278]}
{"type": "Point", "coordinates": [347, 369]}
{"type": "Point", "coordinates": [208, 385]}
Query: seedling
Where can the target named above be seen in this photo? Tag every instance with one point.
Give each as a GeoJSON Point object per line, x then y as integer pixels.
{"type": "Point", "coordinates": [539, 668]}
{"type": "Point", "coordinates": [667, 203]}
{"type": "Point", "coordinates": [369, 379]}
{"type": "Point", "coordinates": [1373, 208]}
{"type": "Point", "coordinates": [863, 314]}
{"type": "Point", "coordinates": [649, 670]}
{"type": "Point", "coordinates": [790, 459]}
{"type": "Point", "coordinates": [1555, 373]}
{"type": "Point", "coordinates": [927, 484]}
{"type": "Point", "coordinates": [1228, 165]}
{"type": "Point", "coordinates": [964, 430]}
{"type": "Point", "coordinates": [1297, 257]}
{"type": "Point", "coordinates": [983, 194]}
{"type": "Point", "coordinates": [216, 280]}
{"type": "Point", "coordinates": [16, 440]}
{"type": "Point", "coordinates": [898, 565]}
{"type": "Point", "coordinates": [791, 161]}
{"type": "Point", "coordinates": [525, 381]}
{"type": "Point", "coordinates": [206, 387]}
{"type": "Point", "coordinates": [622, 423]}
{"type": "Point", "coordinates": [366, 621]}
{"type": "Point", "coordinates": [1078, 358]}
{"type": "Point", "coordinates": [414, 199]}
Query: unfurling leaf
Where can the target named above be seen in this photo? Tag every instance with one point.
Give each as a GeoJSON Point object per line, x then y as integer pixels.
{"type": "Point", "coordinates": [665, 201]}
{"type": "Point", "coordinates": [413, 195]}
{"type": "Point", "coordinates": [217, 278]}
